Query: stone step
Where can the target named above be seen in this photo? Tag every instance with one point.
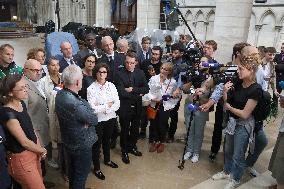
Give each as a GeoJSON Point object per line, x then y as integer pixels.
{"type": "Point", "coordinates": [261, 182]}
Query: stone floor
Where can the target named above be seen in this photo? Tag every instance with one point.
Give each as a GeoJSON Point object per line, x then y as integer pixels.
{"type": "Point", "coordinates": [152, 170]}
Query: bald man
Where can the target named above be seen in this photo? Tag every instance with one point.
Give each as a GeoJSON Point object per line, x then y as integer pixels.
{"type": "Point", "coordinates": [68, 59]}
{"type": "Point", "coordinates": [37, 106]}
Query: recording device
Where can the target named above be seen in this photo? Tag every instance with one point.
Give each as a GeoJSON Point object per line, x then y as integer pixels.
{"type": "Point", "coordinates": [166, 97]}
{"type": "Point", "coordinates": [192, 107]}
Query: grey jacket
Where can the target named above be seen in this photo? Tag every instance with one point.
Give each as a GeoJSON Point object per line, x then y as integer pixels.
{"type": "Point", "coordinates": [76, 120]}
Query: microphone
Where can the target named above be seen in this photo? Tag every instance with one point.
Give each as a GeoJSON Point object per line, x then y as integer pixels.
{"type": "Point", "coordinates": [192, 107]}
{"type": "Point", "coordinates": [166, 97]}
{"type": "Point", "coordinates": [150, 67]}
{"type": "Point", "coordinates": [211, 65]}
{"type": "Point", "coordinates": [281, 84]}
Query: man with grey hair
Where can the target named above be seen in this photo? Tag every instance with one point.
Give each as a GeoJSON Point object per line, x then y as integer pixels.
{"type": "Point", "coordinates": [67, 52]}
{"type": "Point", "coordinates": [37, 108]}
{"type": "Point", "coordinates": [122, 46]}
{"type": "Point", "coordinates": [77, 126]}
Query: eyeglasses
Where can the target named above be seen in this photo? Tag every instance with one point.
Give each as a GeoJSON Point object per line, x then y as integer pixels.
{"type": "Point", "coordinates": [35, 70]}
{"type": "Point", "coordinates": [103, 72]}
{"type": "Point", "coordinates": [91, 61]}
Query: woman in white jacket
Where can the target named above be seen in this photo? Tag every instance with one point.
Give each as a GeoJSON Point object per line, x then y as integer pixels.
{"type": "Point", "coordinates": [103, 98]}
{"type": "Point", "coordinates": [161, 87]}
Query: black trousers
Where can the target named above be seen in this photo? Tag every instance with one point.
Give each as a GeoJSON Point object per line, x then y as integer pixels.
{"type": "Point", "coordinates": [104, 131]}
{"type": "Point", "coordinates": [174, 120]}
{"type": "Point", "coordinates": [144, 120]}
{"type": "Point", "coordinates": [159, 126]}
{"type": "Point", "coordinates": [129, 130]}
{"type": "Point", "coordinates": [217, 133]}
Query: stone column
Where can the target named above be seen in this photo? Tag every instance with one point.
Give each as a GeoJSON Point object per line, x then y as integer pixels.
{"type": "Point", "coordinates": [91, 14]}
{"type": "Point", "coordinates": [103, 13]}
{"type": "Point", "coordinates": [277, 34]}
{"type": "Point", "coordinates": [257, 29]}
{"type": "Point", "coordinates": [148, 14]}
{"type": "Point", "coordinates": [232, 20]}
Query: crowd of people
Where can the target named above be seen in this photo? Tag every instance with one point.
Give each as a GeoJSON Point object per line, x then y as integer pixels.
{"type": "Point", "coordinates": [60, 113]}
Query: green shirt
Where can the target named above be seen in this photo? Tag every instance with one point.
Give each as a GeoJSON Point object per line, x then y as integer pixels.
{"type": "Point", "coordinates": [12, 69]}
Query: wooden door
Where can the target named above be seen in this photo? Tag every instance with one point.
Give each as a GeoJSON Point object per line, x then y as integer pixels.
{"type": "Point", "coordinates": [124, 17]}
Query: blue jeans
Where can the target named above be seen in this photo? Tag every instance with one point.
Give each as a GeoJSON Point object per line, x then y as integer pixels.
{"type": "Point", "coordinates": [260, 143]}
{"type": "Point", "coordinates": [235, 149]}
{"type": "Point", "coordinates": [79, 167]}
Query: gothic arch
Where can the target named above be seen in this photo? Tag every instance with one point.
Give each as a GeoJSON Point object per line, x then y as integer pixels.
{"type": "Point", "coordinates": [281, 23]}
{"type": "Point", "coordinates": [187, 14]}
{"type": "Point", "coordinates": [210, 13]}
{"type": "Point", "coordinates": [267, 12]}
{"type": "Point", "coordinates": [198, 14]}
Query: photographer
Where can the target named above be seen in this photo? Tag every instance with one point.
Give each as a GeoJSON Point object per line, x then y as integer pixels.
{"type": "Point", "coordinates": [179, 67]}
{"type": "Point", "coordinates": [216, 95]}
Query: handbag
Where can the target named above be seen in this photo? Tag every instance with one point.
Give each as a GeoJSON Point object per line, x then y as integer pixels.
{"type": "Point", "coordinates": [152, 112]}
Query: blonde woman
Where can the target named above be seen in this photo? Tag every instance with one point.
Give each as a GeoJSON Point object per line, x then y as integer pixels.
{"type": "Point", "coordinates": [161, 85]}
{"type": "Point", "coordinates": [240, 103]}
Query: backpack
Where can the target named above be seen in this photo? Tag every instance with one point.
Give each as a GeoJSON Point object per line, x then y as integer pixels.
{"type": "Point", "coordinates": [263, 107]}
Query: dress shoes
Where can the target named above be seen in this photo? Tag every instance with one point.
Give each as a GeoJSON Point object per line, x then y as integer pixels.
{"type": "Point", "coordinates": [125, 158]}
{"type": "Point", "coordinates": [99, 175]}
{"type": "Point", "coordinates": [153, 147]}
{"type": "Point", "coordinates": [135, 152]}
{"type": "Point", "coordinates": [160, 148]}
{"type": "Point", "coordinates": [111, 164]}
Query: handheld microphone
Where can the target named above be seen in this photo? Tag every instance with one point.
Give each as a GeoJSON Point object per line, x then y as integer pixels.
{"type": "Point", "coordinates": [150, 67]}
{"type": "Point", "coordinates": [211, 65]}
{"type": "Point", "coordinates": [192, 107]}
{"type": "Point", "coordinates": [166, 97]}
{"type": "Point", "coordinates": [281, 84]}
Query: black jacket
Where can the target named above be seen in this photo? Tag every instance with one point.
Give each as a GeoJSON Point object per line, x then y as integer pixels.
{"type": "Point", "coordinates": [114, 65]}
{"type": "Point", "coordinates": [140, 86]}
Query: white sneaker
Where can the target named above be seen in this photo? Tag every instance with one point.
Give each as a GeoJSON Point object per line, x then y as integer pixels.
{"type": "Point", "coordinates": [232, 184]}
{"type": "Point", "coordinates": [253, 172]}
{"type": "Point", "coordinates": [53, 164]}
{"type": "Point", "coordinates": [195, 158]}
{"type": "Point", "coordinates": [187, 155]}
{"type": "Point", "coordinates": [221, 175]}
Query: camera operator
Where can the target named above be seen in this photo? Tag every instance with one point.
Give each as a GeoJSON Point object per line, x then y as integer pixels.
{"type": "Point", "coordinates": [179, 68]}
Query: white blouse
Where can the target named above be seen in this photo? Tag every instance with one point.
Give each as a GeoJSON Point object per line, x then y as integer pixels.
{"type": "Point", "coordinates": [157, 90]}
{"type": "Point", "coordinates": [99, 96]}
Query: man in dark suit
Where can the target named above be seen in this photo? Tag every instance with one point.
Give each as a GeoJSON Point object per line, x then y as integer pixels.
{"type": "Point", "coordinates": [68, 59]}
{"type": "Point", "coordinates": [90, 41]}
{"type": "Point", "coordinates": [145, 52]}
{"type": "Point", "coordinates": [131, 86]}
{"type": "Point", "coordinates": [114, 60]}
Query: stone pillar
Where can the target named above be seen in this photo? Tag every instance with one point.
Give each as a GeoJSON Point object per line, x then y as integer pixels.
{"type": "Point", "coordinates": [277, 35]}
{"type": "Point", "coordinates": [231, 25]}
{"type": "Point", "coordinates": [103, 13]}
{"type": "Point", "coordinates": [148, 14]}
{"type": "Point", "coordinates": [257, 29]}
{"type": "Point", "coordinates": [91, 14]}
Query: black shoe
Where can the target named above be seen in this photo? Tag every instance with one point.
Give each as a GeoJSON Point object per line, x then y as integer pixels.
{"type": "Point", "coordinates": [111, 164]}
{"type": "Point", "coordinates": [48, 184]}
{"type": "Point", "coordinates": [99, 175]}
{"type": "Point", "coordinates": [142, 135]}
{"type": "Point", "coordinates": [112, 144]}
{"type": "Point", "coordinates": [212, 157]}
{"type": "Point", "coordinates": [170, 140]}
{"type": "Point", "coordinates": [125, 158]}
{"type": "Point", "coordinates": [135, 152]}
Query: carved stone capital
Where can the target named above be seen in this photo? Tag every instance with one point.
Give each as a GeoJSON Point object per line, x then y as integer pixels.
{"type": "Point", "coordinates": [258, 27]}
{"type": "Point", "coordinates": [278, 28]}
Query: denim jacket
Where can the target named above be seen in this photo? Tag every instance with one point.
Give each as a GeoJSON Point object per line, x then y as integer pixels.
{"type": "Point", "coordinates": [76, 120]}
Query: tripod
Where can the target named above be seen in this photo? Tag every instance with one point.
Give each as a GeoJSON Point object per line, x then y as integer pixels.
{"type": "Point", "coordinates": [181, 162]}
